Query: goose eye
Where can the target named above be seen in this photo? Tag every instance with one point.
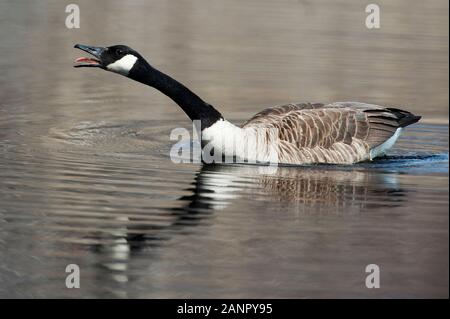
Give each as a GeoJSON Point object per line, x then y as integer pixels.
{"type": "Point", "coordinates": [119, 52]}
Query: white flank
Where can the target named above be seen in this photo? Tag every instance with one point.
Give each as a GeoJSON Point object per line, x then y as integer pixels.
{"type": "Point", "coordinates": [124, 65]}
{"type": "Point", "coordinates": [252, 144]}
{"type": "Point", "coordinates": [381, 149]}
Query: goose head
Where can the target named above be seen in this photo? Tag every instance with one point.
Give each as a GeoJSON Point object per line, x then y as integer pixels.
{"type": "Point", "coordinates": [119, 59]}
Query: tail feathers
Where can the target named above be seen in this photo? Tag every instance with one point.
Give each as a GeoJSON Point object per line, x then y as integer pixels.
{"type": "Point", "coordinates": [405, 118]}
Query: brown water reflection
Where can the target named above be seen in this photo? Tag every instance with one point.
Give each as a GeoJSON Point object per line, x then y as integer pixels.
{"type": "Point", "coordinates": [85, 175]}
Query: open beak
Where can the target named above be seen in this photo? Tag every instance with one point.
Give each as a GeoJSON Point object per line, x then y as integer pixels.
{"type": "Point", "coordinates": [93, 62]}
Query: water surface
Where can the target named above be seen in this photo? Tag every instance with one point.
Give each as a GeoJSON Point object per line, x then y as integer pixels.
{"type": "Point", "coordinates": [86, 177]}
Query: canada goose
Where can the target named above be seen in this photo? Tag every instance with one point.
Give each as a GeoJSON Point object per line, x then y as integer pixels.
{"type": "Point", "coordinates": [305, 133]}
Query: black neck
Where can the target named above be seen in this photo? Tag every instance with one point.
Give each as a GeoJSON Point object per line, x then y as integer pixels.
{"type": "Point", "coordinates": [191, 104]}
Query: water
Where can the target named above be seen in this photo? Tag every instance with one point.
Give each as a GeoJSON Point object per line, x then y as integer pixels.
{"type": "Point", "coordinates": [86, 179]}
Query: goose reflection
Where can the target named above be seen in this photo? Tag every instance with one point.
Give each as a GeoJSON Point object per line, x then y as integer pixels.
{"type": "Point", "coordinates": [306, 190]}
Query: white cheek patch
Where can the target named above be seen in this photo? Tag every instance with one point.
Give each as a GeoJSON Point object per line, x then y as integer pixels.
{"type": "Point", "coordinates": [124, 65]}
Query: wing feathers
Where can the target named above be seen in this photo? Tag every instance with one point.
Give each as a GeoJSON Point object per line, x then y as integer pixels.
{"type": "Point", "coordinates": [317, 129]}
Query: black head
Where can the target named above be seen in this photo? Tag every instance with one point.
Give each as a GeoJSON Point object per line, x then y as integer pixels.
{"type": "Point", "coordinates": [117, 58]}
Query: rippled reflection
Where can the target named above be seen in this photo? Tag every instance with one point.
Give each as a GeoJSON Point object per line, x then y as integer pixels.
{"type": "Point", "coordinates": [306, 190]}
{"type": "Point", "coordinates": [309, 190]}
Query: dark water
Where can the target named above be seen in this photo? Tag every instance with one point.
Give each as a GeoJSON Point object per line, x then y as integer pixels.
{"type": "Point", "coordinates": [86, 177]}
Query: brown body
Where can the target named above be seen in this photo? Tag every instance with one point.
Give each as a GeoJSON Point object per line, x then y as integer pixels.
{"type": "Point", "coordinates": [337, 133]}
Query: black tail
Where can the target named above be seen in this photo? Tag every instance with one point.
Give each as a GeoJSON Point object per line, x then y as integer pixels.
{"type": "Point", "coordinates": [405, 118]}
